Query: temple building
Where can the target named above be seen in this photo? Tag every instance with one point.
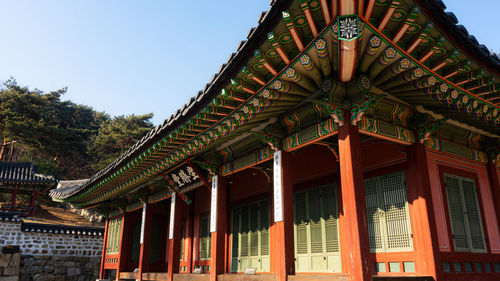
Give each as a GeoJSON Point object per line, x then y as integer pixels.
{"type": "Point", "coordinates": [344, 140]}
{"type": "Point", "coordinates": [22, 183]}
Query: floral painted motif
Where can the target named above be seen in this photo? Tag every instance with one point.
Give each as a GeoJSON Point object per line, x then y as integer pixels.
{"type": "Point", "coordinates": [348, 28]}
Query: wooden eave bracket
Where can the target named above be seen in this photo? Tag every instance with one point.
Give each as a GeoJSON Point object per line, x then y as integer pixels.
{"type": "Point", "coordinates": [332, 147]}
{"type": "Point", "coordinates": [361, 108]}
{"type": "Point", "coordinates": [492, 148]}
{"type": "Point", "coordinates": [172, 186]}
{"type": "Point", "coordinates": [271, 140]}
{"type": "Point", "coordinates": [425, 130]}
{"type": "Point", "coordinates": [212, 169]}
{"type": "Point", "coordinates": [267, 172]}
{"type": "Point", "coordinates": [334, 111]}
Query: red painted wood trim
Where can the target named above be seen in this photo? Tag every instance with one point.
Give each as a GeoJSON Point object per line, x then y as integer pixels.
{"type": "Point", "coordinates": [326, 13]}
{"type": "Point", "coordinates": [281, 233]}
{"type": "Point", "coordinates": [104, 244]}
{"type": "Point", "coordinates": [495, 187]}
{"type": "Point", "coordinates": [353, 221]}
{"type": "Point", "coordinates": [369, 10]}
{"type": "Point", "coordinates": [146, 246]}
{"type": "Point", "coordinates": [14, 196]}
{"type": "Point", "coordinates": [218, 238]}
{"type": "Point", "coordinates": [122, 249]}
{"type": "Point", "coordinates": [174, 248]}
{"type": "Point", "coordinates": [425, 241]}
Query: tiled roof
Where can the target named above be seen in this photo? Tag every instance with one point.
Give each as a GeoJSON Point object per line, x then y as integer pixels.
{"type": "Point", "coordinates": [436, 9]}
{"type": "Point", "coordinates": [65, 189]}
{"type": "Point", "coordinates": [51, 228]}
{"type": "Point", "coordinates": [23, 173]}
{"type": "Point", "coordinates": [62, 229]}
{"type": "Point", "coordinates": [245, 49]}
{"type": "Point", "coordinates": [209, 92]}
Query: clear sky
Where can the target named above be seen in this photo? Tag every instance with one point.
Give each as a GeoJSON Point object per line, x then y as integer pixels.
{"type": "Point", "coordinates": [139, 56]}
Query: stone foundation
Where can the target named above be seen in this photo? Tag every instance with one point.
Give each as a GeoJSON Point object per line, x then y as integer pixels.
{"type": "Point", "coordinates": [59, 268]}
{"type": "Point", "coordinates": [10, 258]}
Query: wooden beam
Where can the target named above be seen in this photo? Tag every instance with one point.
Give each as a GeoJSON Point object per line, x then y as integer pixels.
{"type": "Point", "coordinates": [14, 197]}
{"type": "Point", "coordinates": [218, 221]}
{"type": "Point", "coordinates": [189, 236]}
{"type": "Point", "coordinates": [123, 244]}
{"type": "Point", "coordinates": [493, 175]}
{"type": "Point", "coordinates": [369, 9]}
{"type": "Point", "coordinates": [353, 219]}
{"type": "Point", "coordinates": [145, 240]}
{"type": "Point", "coordinates": [102, 272]}
{"type": "Point", "coordinates": [174, 245]}
{"type": "Point", "coordinates": [281, 231]}
{"type": "Point", "coordinates": [424, 231]}
{"type": "Point", "coordinates": [348, 49]}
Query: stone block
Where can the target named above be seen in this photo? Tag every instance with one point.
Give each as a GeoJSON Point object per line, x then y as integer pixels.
{"type": "Point", "coordinates": [5, 259]}
{"type": "Point", "coordinates": [29, 261]}
{"type": "Point", "coordinates": [11, 271]}
{"type": "Point", "coordinates": [73, 271]}
{"type": "Point", "coordinates": [69, 264]}
{"type": "Point", "coordinates": [9, 278]}
{"type": "Point", "coordinates": [15, 260]}
{"type": "Point", "coordinates": [35, 270]}
{"type": "Point", "coordinates": [60, 271]}
{"type": "Point", "coordinates": [40, 262]}
{"type": "Point", "coordinates": [48, 269]}
{"type": "Point", "coordinates": [25, 270]}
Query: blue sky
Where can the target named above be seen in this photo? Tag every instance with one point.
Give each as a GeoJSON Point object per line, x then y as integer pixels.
{"type": "Point", "coordinates": [133, 57]}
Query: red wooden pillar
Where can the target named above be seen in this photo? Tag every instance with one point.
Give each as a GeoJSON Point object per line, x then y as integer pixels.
{"type": "Point", "coordinates": [422, 214]}
{"type": "Point", "coordinates": [495, 187]}
{"type": "Point", "coordinates": [123, 244]}
{"type": "Point", "coordinates": [145, 240]}
{"type": "Point", "coordinates": [174, 246]}
{"type": "Point", "coordinates": [218, 222]}
{"type": "Point", "coordinates": [102, 272]}
{"type": "Point", "coordinates": [32, 201]}
{"type": "Point", "coordinates": [33, 198]}
{"type": "Point", "coordinates": [355, 248]}
{"type": "Point", "coordinates": [14, 196]}
{"type": "Point", "coordinates": [281, 232]}
{"type": "Point", "coordinates": [188, 230]}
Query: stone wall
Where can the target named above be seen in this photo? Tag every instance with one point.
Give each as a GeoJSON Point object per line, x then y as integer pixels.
{"type": "Point", "coordinates": [10, 258]}
{"type": "Point", "coordinates": [54, 252]}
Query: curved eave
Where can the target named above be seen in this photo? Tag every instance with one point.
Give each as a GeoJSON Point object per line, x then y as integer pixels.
{"type": "Point", "coordinates": [214, 116]}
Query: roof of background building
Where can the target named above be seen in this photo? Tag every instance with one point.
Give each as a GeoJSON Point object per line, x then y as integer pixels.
{"type": "Point", "coordinates": [23, 173]}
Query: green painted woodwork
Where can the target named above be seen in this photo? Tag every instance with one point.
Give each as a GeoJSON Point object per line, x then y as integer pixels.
{"type": "Point", "coordinates": [272, 83]}
{"type": "Point", "coordinates": [316, 230]}
{"type": "Point", "coordinates": [465, 216]}
{"type": "Point", "coordinates": [114, 231]}
{"type": "Point", "coordinates": [389, 228]}
{"type": "Point", "coordinates": [205, 238]}
{"type": "Point", "coordinates": [250, 242]}
{"type": "Point", "coordinates": [455, 149]}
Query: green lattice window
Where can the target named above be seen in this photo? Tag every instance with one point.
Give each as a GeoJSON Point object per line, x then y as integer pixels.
{"type": "Point", "coordinates": [205, 239]}
{"type": "Point", "coordinates": [389, 228]}
{"type": "Point", "coordinates": [114, 231]}
{"type": "Point", "coordinates": [250, 244]}
{"type": "Point", "coordinates": [316, 216]}
{"type": "Point", "coordinates": [465, 216]}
